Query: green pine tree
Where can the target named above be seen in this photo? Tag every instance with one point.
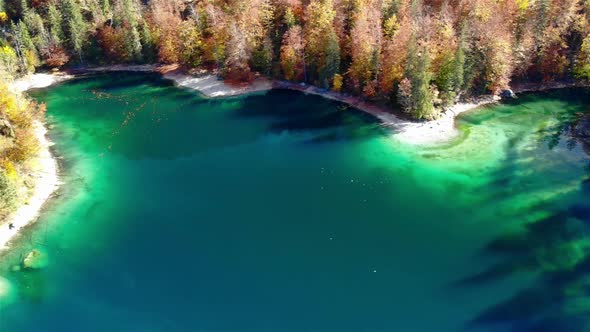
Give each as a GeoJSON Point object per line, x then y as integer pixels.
{"type": "Point", "coordinates": [55, 24]}
{"type": "Point", "coordinates": [331, 63]}
{"type": "Point", "coordinates": [75, 27]}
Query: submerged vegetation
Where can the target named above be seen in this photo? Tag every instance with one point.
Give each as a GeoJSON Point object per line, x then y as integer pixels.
{"type": "Point", "coordinates": [422, 55]}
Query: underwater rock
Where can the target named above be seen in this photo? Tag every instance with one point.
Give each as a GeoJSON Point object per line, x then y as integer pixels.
{"type": "Point", "coordinates": [35, 260]}
{"type": "Point", "coordinates": [508, 94]}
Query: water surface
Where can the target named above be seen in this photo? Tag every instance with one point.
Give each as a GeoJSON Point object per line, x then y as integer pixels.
{"type": "Point", "coordinates": [288, 212]}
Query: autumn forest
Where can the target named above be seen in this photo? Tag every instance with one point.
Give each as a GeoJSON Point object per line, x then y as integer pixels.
{"type": "Point", "coordinates": [422, 55]}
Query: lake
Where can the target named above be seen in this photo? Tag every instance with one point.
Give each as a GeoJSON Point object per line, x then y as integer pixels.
{"type": "Point", "coordinates": [282, 211]}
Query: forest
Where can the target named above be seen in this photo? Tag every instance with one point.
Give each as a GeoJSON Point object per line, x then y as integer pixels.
{"type": "Point", "coordinates": [420, 55]}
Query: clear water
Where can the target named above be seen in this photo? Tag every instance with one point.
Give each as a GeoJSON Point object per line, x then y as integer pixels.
{"type": "Point", "coordinates": [287, 212]}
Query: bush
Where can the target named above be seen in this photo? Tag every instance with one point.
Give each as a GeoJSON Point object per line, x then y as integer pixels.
{"type": "Point", "coordinates": [26, 146]}
{"type": "Point", "coordinates": [55, 56]}
{"type": "Point", "coordinates": [337, 83]}
{"type": "Point", "coordinates": [8, 194]}
{"type": "Point", "coordinates": [8, 59]}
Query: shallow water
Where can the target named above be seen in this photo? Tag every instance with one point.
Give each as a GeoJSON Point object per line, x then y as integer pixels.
{"type": "Point", "coordinates": [287, 212]}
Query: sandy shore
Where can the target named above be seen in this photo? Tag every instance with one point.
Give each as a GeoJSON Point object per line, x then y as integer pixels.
{"type": "Point", "coordinates": [46, 182]}
{"type": "Point", "coordinates": [440, 130]}
{"type": "Point", "coordinates": [212, 87]}
{"type": "Point", "coordinates": [407, 131]}
{"type": "Point", "coordinates": [45, 169]}
{"type": "Point", "coordinates": [35, 81]}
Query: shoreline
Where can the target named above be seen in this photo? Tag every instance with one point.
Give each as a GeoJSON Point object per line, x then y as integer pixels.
{"type": "Point", "coordinates": [407, 131]}
{"type": "Point", "coordinates": [46, 183]}
{"type": "Point", "coordinates": [46, 172]}
{"type": "Point", "coordinates": [414, 132]}
{"type": "Point", "coordinates": [38, 81]}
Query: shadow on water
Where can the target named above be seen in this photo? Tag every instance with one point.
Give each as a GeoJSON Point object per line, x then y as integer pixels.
{"type": "Point", "coordinates": [146, 118]}
{"type": "Point", "coordinates": [326, 121]}
{"type": "Point", "coordinates": [114, 81]}
{"type": "Point", "coordinates": [556, 247]}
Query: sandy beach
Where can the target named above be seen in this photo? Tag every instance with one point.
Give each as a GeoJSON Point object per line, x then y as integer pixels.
{"type": "Point", "coordinates": [212, 87]}
{"type": "Point", "coordinates": [36, 81]}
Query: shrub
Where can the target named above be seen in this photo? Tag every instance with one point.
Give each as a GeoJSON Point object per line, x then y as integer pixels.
{"type": "Point", "coordinates": [8, 194]}
{"type": "Point", "coordinates": [337, 83]}
{"type": "Point", "coordinates": [8, 59]}
{"type": "Point", "coordinates": [26, 146]}
{"type": "Point", "coordinates": [55, 56]}
{"type": "Point", "coordinates": [9, 170]}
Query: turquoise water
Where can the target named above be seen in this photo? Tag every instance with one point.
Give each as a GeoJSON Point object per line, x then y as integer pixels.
{"type": "Point", "coordinates": [288, 212]}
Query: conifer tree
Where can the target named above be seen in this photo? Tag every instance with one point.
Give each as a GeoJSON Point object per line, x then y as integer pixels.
{"type": "Point", "coordinates": [25, 48]}
{"type": "Point", "coordinates": [322, 50]}
{"type": "Point", "coordinates": [459, 63]}
{"type": "Point", "coordinates": [129, 19]}
{"type": "Point", "coordinates": [417, 97]}
{"type": "Point", "coordinates": [331, 62]}
{"type": "Point", "coordinates": [55, 23]}
{"type": "Point", "coordinates": [74, 27]}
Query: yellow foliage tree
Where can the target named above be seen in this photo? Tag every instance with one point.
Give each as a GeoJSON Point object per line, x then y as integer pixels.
{"type": "Point", "coordinates": [337, 83]}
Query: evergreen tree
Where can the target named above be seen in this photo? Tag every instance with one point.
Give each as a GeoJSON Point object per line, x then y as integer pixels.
{"type": "Point", "coordinates": [445, 79]}
{"type": "Point", "coordinates": [459, 63]}
{"type": "Point", "coordinates": [36, 29]}
{"type": "Point", "coordinates": [133, 40]}
{"type": "Point", "coordinates": [321, 42]}
{"type": "Point", "coordinates": [262, 57]}
{"type": "Point", "coordinates": [25, 48]}
{"type": "Point", "coordinates": [418, 96]}
{"type": "Point", "coordinates": [421, 91]}
{"type": "Point", "coordinates": [55, 23]}
{"type": "Point", "coordinates": [24, 8]}
{"type": "Point", "coordinates": [331, 63]}
{"type": "Point", "coordinates": [582, 63]}
{"type": "Point", "coordinates": [149, 51]}
{"type": "Point", "coordinates": [74, 27]}
{"type": "Point", "coordinates": [289, 18]}
{"type": "Point", "coordinates": [105, 7]}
